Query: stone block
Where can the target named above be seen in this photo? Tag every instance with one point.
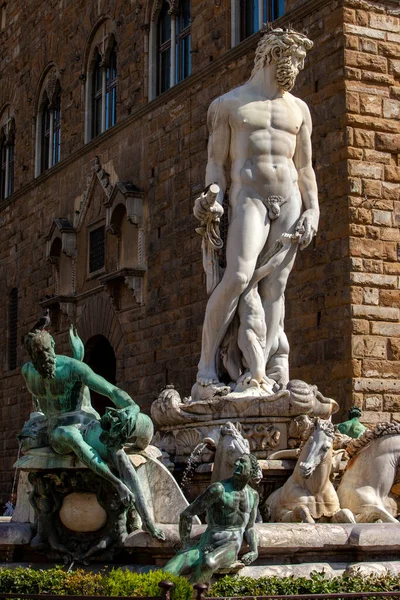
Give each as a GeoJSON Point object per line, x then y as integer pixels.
{"type": "Point", "coordinates": [374, 279]}
{"type": "Point", "coordinates": [391, 403]}
{"type": "Point", "coordinates": [384, 22]}
{"type": "Point", "coordinates": [389, 298]}
{"type": "Point", "coordinates": [372, 417]}
{"type": "Point", "coordinates": [381, 313]}
{"type": "Point", "coordinates": [394, 349]}
{"type": "Point", "coordinates": [390, 190]}
{"type": "Point", "coordinates": [378, 157]}
{"type": "Point", "coordinates": [366, 61]}
{"type": "Point", "coordinates": [388, 142]}
{"type": "Point", "coordinates": [391, 109]}
{"type": "Point", "coordinates": [364, 138]}
{"type": "Point", "coordinates": [371, 296]}
{"type": "Point", "coordinates": [388, 329]}
{"type": "Point", "coordinates": [360, 326]}
{"type": "Point", "coordinates": [373, 403]}
{"type": "Point", "coordinates": [381, 386]}
{"type": "Point", "coordinates": [381, 368]}
{"type": "Point", "coordinates": [370, 104]}
{"type": "Point", "coordinates": [382, 217]}
{"type": "Point", "coordinates": [392, 174]}
{"type": "Point", "coordinates": [365, 32]}
{"type": "Point", "coordinates": [364, 169]}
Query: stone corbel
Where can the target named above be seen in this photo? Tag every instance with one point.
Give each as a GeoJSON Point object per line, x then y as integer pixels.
{"type": "Point", "coordinates": [132, 278]}
{"type": "Point", "coordinates": [136, 285]}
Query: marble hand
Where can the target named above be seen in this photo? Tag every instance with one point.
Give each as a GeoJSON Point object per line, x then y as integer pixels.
{"type": "Point", "coordinates": [307, 226]}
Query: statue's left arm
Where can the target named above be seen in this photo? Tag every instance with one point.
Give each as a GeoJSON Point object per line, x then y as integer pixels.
{"type": "Point", "coordinates": [250, 533]}
{"type": "Point", "coordinates": [100, 385]}
{"type": "Point", "coordinates": [308, 223]}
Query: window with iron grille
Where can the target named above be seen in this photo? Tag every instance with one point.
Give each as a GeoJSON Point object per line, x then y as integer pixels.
{"type": "Point", "coordinates": [12, 329]}
{"type": "Point", "coordinates": [96, 249]}
{"type": "Point", "coordinates": [253, 13]}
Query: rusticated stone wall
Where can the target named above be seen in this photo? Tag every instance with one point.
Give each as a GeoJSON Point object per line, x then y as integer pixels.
{"type": "Point", "coordinates": [372, 80]}
{"type": "Point", "coordinates": [342, 296]}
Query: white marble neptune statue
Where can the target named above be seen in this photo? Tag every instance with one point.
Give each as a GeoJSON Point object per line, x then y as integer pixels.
{"type": "Point", "coordinates": [264, 133]}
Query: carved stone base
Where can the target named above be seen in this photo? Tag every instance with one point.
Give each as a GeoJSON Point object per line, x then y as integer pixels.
{"type": "Point", "coordinates": [265, 419]}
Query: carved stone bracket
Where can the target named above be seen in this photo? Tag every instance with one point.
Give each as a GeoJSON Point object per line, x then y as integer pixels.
{"type": "Point", "coordinates": [65, 304]}
{"type": "Point", "coordinates": [131, 277]}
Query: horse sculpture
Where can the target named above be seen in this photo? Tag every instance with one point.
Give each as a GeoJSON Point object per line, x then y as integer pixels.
{"type": "Point", "coordinates": [366, 484]}
{"type": "Point", "coordinates": [309, 494]}
{"type": "Point", "coordinates": [231, 446]}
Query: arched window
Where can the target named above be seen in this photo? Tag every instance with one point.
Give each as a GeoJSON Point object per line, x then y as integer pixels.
{"type": "Point", "coordinates": [169, 46]}
{"type": "Point", "coordinates": [249, 16]}
{"type": "Point", "coordinates": [48, 125]}
{"type": "Point", "coordinates": [7, 150]}
{"type": "Point", "coordinates": [104, 94]}
{"type": "Point", "coordinates": [101, 82]}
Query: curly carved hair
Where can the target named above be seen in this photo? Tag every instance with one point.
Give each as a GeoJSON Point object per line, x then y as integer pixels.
{"type": "Point", "coordinates": [276, 44]}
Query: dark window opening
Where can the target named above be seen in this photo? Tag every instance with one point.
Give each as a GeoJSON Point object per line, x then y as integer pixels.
{"type": "Point", "coordinates": [96, 249]}
{"type": "Point", "coordinates": [12, 329]}
{"type": "Point", "coordinates": [97, 97]}
{"type": "Point", "coordinates": [100, 357]}
{"type": "Point", "coordinates": [183, 56]}
{"type": "Point", "coordinates": [111, 91]}
{"type": "Point", "coordinates": [56, 154]}
{"type": "Point", "coordinates": [182, 67]}
{"type": "Point", "coordinates": [164, 36]}
{"type": "Point", "coordinates": [250, 17]}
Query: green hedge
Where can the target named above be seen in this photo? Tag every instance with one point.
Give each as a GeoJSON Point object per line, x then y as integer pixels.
{"type": "Point", "coordinates": [114, 583]}
{"type": "Point", "coordinates": [318, 583]}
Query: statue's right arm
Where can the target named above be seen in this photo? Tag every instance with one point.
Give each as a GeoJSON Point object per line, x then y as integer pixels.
{"type": "Point", "coordinates": [218, 144]}
{"type": "Point", "coordinates": [212, 494]}
{"type": "Point", "coordinates": [100, 385]}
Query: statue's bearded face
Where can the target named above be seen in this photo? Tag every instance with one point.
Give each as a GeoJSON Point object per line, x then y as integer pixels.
{"type": "Point", "coordinates": [288, 66]}
{"type": "Point", "coordinates": [40, 346]}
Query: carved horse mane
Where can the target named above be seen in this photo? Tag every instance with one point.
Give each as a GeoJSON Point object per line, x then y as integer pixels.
{"type": "Point", "coordinates": [380, 430]}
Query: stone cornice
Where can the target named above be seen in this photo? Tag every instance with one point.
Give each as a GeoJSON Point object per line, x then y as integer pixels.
{"type": "Point", "coordinates": [231, 55]}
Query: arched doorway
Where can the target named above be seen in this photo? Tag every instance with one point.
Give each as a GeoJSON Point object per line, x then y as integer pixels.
{"type": "Point", "coordinates": [100, 356]}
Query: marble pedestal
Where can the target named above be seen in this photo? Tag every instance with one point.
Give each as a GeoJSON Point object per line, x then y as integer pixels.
{"type": "Point", "coordinates": [265, 420]}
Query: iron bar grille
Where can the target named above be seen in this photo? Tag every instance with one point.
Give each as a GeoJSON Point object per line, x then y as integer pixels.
{"type": "Point", "coordinates": [96, 249]}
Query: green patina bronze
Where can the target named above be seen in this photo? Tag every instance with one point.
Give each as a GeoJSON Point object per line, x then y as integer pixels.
{"type": "Point", "coordinates": [231, 509]}
{"type": "Point", "coordinates": [60, 389]}
{"type": "Point", "coordinates": [353, 428]}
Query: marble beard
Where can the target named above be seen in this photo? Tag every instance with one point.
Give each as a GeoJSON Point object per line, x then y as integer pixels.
{"type": "Point", "coordinates": [263, 132]}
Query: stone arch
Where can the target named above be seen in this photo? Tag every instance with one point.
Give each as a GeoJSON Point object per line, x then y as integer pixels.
{"type": "Point", "coordinates": [99, 318]}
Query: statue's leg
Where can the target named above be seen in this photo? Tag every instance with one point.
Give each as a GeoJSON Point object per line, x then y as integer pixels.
{"type": "Point", "coordinates": [183, 562]}
{"type": "Point", "coordinates": [222, 557]}
{"type": "Point", "coordinates": [246, 238]}
{"type": "Point", "coordinates": [129, 476]}
{"type": "Point", "coordinates": [68, 438]}
{"type": "Point", "coordinates": [272, 288]}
